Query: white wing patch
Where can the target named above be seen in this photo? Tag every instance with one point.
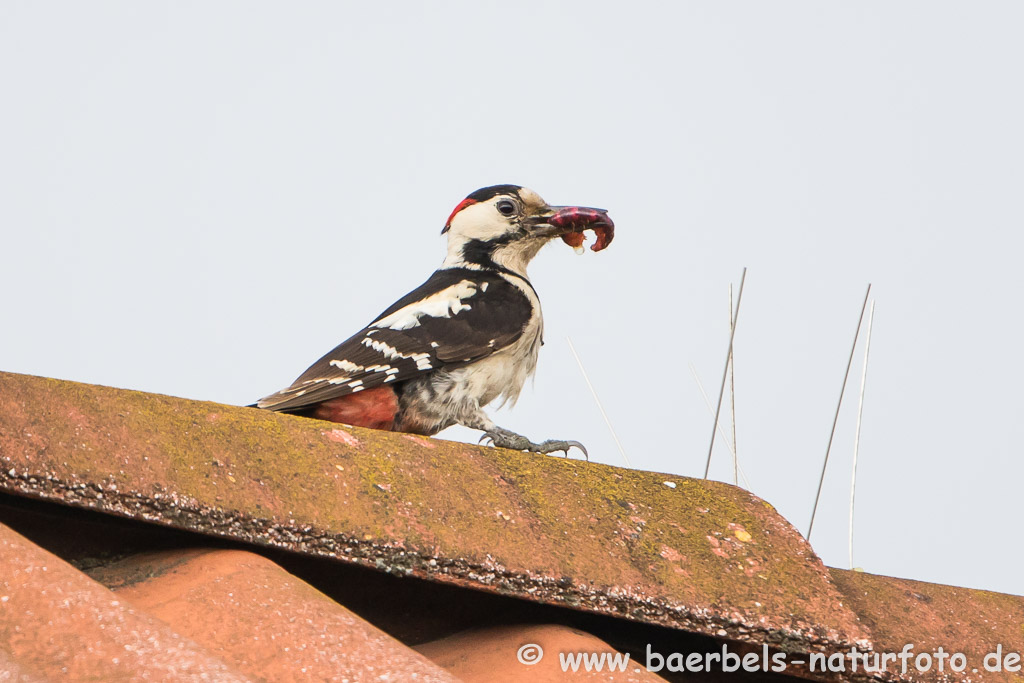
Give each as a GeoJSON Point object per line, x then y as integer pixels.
{"type": "Point", "coordinates": [443, 304]}
{"type": "Point", "coordinates": [422, 360]}
{"type": "Point", "coordinates": [346, 366]}
{"type": "Point", "coordinates": [350, 369]}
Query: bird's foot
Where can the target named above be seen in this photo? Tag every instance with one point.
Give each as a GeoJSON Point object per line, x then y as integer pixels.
{"type": "Point", "coordinates": [502, 438]}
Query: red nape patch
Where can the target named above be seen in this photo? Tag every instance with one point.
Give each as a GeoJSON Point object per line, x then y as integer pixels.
{"type": "Point", "coordinates": [373, 408]}
{"type": "Point", "coordinates": [462, 205]}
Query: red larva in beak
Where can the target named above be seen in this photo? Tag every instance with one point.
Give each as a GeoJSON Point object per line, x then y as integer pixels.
{"type": "Point", "coordinates": [575, 219]}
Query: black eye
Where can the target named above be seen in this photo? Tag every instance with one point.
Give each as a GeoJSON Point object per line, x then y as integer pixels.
{"type": "Point", "coordinates": [506, 207]}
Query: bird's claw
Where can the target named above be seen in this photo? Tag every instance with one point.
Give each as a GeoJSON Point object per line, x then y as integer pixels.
{"type": "Point", "coordinates": [553, 446]}
{"type": "Point", "coordinates": [502, 438]}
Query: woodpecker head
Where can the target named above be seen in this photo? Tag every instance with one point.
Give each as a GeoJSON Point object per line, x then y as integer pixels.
{"type": "Point", "coordinates": [506, 225]}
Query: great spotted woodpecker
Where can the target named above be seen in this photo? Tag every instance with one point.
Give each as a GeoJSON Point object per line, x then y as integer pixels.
{"type": "Point", "coordinates": [467, 336]}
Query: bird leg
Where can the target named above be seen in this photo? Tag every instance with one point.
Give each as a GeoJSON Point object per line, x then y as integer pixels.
{"type": "Point", "coordinates": [476, 418]}
{"type": "Point", "coordinates": [503, 438]}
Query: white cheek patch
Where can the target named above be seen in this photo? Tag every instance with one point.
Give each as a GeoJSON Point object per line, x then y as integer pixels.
{"type": "Point", "coordinates": [443, 304]}
{"type": "Point", "coordinates": [480, 221]}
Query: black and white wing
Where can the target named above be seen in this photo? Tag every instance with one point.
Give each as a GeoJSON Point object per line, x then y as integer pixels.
{"type": "Point", "coordinates": [456, 317]}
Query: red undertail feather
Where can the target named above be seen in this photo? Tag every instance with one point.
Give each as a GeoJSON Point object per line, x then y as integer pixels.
{"type": "Point", "coordinates": [373, 408]}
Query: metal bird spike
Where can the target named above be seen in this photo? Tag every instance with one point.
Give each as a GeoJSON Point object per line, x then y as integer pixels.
{"type": "Point", "coordinates": [725, 372]}
{"type": "Point", "coordinates": [593, 392]}
{"type": "Point", "coordinates": [732, 397]}
{"type": "Point", "coordinates": [725, 437]}
{"type": "Point", "coordinates": [835, 420]}
{"type": "Point", "coordinates": [860, 414]}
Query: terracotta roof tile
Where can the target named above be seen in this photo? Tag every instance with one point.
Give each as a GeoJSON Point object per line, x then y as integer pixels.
{"type": "Point", "coordinates": [323, 519]}
{"type": "Point", "coordinates": [59, 623]}
{"type": "Point", "coordinates": [697, 555]}
{"type": "Point", "coordinates": [929, 616]}
{"type": "Point", "coordinates": [280, 626]}
{"type": "Point", "coordinates": [498, 654]}
{"type": "Point", "coordinates": [13, 672]}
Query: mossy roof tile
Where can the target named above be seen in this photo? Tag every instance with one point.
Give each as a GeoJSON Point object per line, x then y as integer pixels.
{"type": "Point", "coordinates": [699, 556]}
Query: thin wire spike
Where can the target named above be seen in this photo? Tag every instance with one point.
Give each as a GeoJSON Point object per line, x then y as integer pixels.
{"type": "Point", "coordinates": [725, 372]}
{"type": "Point", "coordinates": [835, 420]}
{"type": "Point", "coordinates": [860, 413]}
{"type": "Point", "coordinates": [746, 482]}
{"type": "Point", "coordinates": [732, 399]}
{"type": "Point", "coordinates": [711, 411]}
{"type": "Point", "coordinates": [711, 408]}
{"type": "Point", "coordinates": [593, 393]}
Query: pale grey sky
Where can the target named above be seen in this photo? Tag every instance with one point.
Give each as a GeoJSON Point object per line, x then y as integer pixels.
{"type": "Point", "coordinates": [201, 198]}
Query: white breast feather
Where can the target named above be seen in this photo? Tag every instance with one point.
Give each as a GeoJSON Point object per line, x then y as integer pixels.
{"type": "Point", "coordinates": [503, 374]}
